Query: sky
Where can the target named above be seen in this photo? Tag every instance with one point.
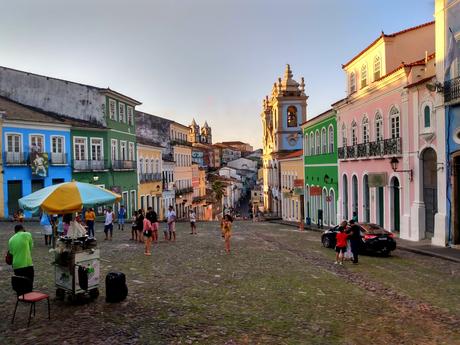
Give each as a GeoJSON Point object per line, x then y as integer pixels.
{"type": "Point", "coordinates": [212, 60]}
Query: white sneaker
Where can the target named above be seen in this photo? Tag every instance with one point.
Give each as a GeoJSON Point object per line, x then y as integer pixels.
{"type": "Point", "coordinates": [341, 263]}
{"type": "Point", "coordinates": [336, 263]}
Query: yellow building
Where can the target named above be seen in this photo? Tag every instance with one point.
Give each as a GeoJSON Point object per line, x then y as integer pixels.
{"type": "Point", "coordinates": [182, 153]}
{"type": "Point", "coordinates": [149, 158]}
{"type": "Point", "coordinates": [291, 180]}
{"type": "Point", "coordinates": [199, 191]}
{"type": "Point", "coordinates": [282, 115]}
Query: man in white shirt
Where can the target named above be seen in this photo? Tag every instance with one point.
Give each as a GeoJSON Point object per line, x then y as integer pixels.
{"type": "Point", "coordinates": [108, 224]}
{"type": "Point", "coordinates": [171, 217]}
{"type": "Point", "coordinates": [192, 216]}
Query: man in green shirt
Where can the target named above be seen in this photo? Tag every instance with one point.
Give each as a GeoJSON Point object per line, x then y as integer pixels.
{"type": "Point", "coordinates": [20, 246]}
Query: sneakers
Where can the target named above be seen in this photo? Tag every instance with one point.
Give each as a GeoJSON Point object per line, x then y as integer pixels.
{"type": "Point", "coordinates": [341, 263]}
{"type": "Point", "coordinates": [336, 263]}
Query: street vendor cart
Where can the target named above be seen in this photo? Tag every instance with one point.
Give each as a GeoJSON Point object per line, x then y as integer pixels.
{"type": "Point", "coordinates": [76, 256]}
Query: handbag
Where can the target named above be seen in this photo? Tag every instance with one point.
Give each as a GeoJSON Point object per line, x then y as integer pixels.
{"type": "Point", "coordinates": [9, 258]}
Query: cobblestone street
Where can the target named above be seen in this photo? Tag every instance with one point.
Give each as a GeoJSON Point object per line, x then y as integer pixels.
{"type": "Point", "coordinates": [279, 286]}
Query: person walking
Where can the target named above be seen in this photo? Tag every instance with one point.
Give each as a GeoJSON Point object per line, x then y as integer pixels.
{"type": "Point", "coordinates": [171, 219]}
{"type": "Point", "coordinates": [153, 218]}
{"type": "Point", "coordinates": [90, 217]}
{"type": "Point", "coordinates": [121, 217]}
{"type": "Point", "coordinates": [340, 245]}
{"type": "Point", "coordinates": [47, 228]}
{"type": "Point", "coordinates": [147, 232]}
{"type": "Point", "coordinates": [192, 217]}
{"type": "Point", "coordinates": [20, 246]}
{"type": "Point", "coordinates": [108, 224]}
{"type": "Point", "coordinates": [140, 225]}
{"type": "Point", "coordinates": [355, 239]}
{"type": "Point", "coordinates": [227, 231]}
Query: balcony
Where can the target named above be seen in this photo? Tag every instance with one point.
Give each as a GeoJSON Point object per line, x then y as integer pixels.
{"type": "Point", "coordinates": [452, 91]}
{"type": "Point", "coordinates": [58, 159]}
{"type": "Point", "coordinates": [149, 177]}
{"type": "Point", "coordinates": [123, 165]}
{"type": "Point", "coordinates": [184, 191]}
{"type": "Point", "coordinates": [16, 158]}
{"type": "Point", "coordinates": [181, 142]}
{"type": "Point", "coordinates": [374, 149]}
{"type": "Point", "coordinates": [168, 157]}
{"type": "Point", "coordinates": [198, 199]}
{"type": "Point", "coordinates": [90, 165]}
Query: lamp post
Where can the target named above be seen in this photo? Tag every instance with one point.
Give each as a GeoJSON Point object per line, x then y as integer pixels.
{"type": "Point", "coordinates": [394, 165]}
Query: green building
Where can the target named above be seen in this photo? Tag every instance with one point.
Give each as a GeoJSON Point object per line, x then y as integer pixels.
{"type": "Point", "coordinates": [320, 168]}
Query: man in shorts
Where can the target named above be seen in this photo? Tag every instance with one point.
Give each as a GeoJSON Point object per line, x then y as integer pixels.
{"type": "Point", "coordinates": [171, 219]}
{"type": "Point", "coordinates": [108, 224]}
{"type": "Point", "coordinates": [121, 217]}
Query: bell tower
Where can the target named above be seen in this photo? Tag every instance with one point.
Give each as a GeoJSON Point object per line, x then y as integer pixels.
{"type": "Point", "coordinates": [194, 134]}
{"type": "Point", "coordinates": [206, 135]}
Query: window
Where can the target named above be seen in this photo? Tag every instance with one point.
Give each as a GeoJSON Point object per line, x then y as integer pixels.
{"type": "Point", "coordinates": [114, 149]}
{"type": "Point", "coordinates": [344, 135]}
{"type": "Point", "coordinates": [37, 143]}
{"type": "Point", "coordinates": [378, 127]}
{"type": "Point", "coordinates": [157, 166]}
{"type": "Point", "coordinates": [97, 149]}
{"type": "Point", "coordinates": [376, 68]}
{"type": "Point", "coordinates": [131, 154]}
{"type": "Point", "coordinates": [323, 141]}
{"type": "Point", "coordinates": [352, 82]}
{"type": "Point", "coordinates": [427, 116]}
{"type": "Point", "coordinates": [318, 143]}
{"type": "Point", "coordinates": [312, 144]}
{"type": "Point", "coordinates": [331, 139]}
{"type": "Point", "coordinates": [354, 133]}
{"type": "Point", "coordinates": [394, 118]}
{"type": "Point", "coordinates": [130, 112]}
{"type": "Point", "coordinates": [365, 130]}
{"type": "Point", "coordinates": [123, 150]}
{"type": "Point", "coordinates": [121, 112]}
{"type": "Point", "coordinates": [306, 146]}
{"type": "Point", "coordinates": [57, 144]}
{"type": "Point", "coordinates": [79, 149]}
{"type": "Point", "coordinates": [112, 110]}
{"type": "Point", "coordinates": [292, 116]}
{"type": "Point", "coordinates": [363, 76]}
{"type": "Point", "coordinates": [141, 166]}
{"type": "Point", "coordinates": [13, 143]}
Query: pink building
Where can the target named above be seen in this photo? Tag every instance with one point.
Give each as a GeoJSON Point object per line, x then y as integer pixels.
{"type": "Point", "coordinates": [387, 135]}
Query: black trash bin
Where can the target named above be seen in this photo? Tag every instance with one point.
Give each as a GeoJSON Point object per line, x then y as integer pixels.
{"type": "Point", "coordinates": [116, 289]}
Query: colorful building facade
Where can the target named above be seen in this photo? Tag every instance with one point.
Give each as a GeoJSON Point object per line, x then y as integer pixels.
{"type": "Point", "coordinates": [292, 182]}
{"type": "Point", "coordinates": [320, 168]}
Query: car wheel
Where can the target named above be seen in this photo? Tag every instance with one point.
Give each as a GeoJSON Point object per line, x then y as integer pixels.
{"type": "Point", "coordinates": [386, 251]}
{"type": "Point", "coordinates": [326, 242]}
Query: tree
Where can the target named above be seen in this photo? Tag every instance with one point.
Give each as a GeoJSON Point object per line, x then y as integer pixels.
{"type": "Point", "coordinates": [218, 189]}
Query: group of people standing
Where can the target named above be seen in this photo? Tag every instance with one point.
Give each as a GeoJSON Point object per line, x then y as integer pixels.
{"type": "Point", "coordinates": [348, 239]}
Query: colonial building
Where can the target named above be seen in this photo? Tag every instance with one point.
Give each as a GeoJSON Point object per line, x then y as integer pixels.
{"type": "Point", "coordinates": [203, 136]}
{"type": "Point", "coordinates": [388, 138]}
{"type": "Point", "coordinates": [320, 167]}
{"type": "Point", "coordinates": [227, 153]}
{"type": "Point", "coordinates": [245, 148]}
{"type": "Point", "coordinates": [104, 154]}
{"type": "Point", "coordinates": [292, 183]}
{"type": "Point", "coordinates": [282, 114]}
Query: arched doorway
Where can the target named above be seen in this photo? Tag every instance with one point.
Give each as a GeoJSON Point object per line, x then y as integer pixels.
{"type": "Point", "coordinates": [430, 189]}
{"type": "Point", "coordinates": [366, 209]}
{"type": "Point", "coordinates": [354, 196]}
{"type": "Point", "coordinates": [345, 197]}
{"type": "Point", "coordinates": [307, 201]}
{"type": "Point", "coordinates": [395, 205]}
{"type": "Point", "coordinates": [325, 207]}
{"type": "Point", "coordinates": [332, 215]}
{"type": "Point", "coordinates": [380, 206]}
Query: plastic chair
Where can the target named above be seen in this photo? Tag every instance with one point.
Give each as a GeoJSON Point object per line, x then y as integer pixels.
{"type": "Point", "coordinates": [23, 288]}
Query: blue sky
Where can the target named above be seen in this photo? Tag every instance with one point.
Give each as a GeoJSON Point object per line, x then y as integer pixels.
{"type": "Point", "coordinates": [212, 60]}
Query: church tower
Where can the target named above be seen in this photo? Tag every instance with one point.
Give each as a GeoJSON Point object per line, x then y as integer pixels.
{"type": "Point", "coordinates": [283, 112]}
{"type": "Point", "coordinates": [194, 133]}
{"type": "Point", "coordinates": [206, 135]}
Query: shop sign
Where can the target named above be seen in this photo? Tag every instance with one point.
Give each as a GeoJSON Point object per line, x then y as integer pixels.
{"type": "Point", "coordinates": [298, 183]}
{"type": "Point", "coordinates": [315, 191]}
{"type": "Point", "coordinates": [377, 179]}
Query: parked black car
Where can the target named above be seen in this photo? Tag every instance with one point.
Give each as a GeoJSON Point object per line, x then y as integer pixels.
{"type": "Point", "coordinates": [375, 239]}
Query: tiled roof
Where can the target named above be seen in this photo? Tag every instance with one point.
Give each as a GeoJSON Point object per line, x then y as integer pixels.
{"type": "Point", "coordinates": [386, 35]}
{"type": "Point", "coordinates": [295, 154]}
{"type": "Point", "coordinates": [318, 116]}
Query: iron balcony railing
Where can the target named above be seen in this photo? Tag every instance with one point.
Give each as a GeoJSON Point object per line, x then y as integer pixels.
{"type": "Point", "coordinates": [181, 142]}
{"type": "Point", "coordinates": [123, 165]}
{"type": "Point", "coordinates": [58, 158]}
{"type": "Point", "coordinates": [452, 91]}
{"type": "Point", "coordinates": [373, 149]}
{"type": "Point", "coordinates": [16, 158]}
{"type": "Point", "coordinates": [90, 164]}
{"type": "Point", "coordinates": [184, 191]}
{"type": "Point", "coordinates": [149, 177]}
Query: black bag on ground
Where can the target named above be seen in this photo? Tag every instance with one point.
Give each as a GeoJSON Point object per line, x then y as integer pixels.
{"type": "Point", "coordinates": [116, 289]}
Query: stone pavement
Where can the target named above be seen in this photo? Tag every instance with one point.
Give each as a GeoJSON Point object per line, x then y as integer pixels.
{"type": "Point", "coordinates": [423, 247]}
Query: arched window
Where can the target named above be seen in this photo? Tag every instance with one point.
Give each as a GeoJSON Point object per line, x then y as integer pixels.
{"type": "Point", "coordinates": [292, 116]}
{"type": "Point", "coordinates": [141, 165]}
{"type": "Point", "coordinates": [365, 130]}
{"type": "Point", "coordinates": [394, 118]}
{"type": "Point", "coordinates": [344, 135]}
{"type": "Point", "coordinates": [427, 116]}
{"type": "Point", "coordinates": [363, 76]}
{"type": "Point", "coordinates": [318, 143]}
{"type": "Point", "coordinates": [354, 133]}
{"type": "Point", "coordinates": [323, 141]}
{"type": "Point", "coordinates": [352, 82]}
{"type": "Point", "coordinates": [312, 144]}
{"type": "Point", "coordinates": [378, 127]}
{"type": "Point", "coordinates": [306, 146]}
{"type": "Point", "coordinates": [331, 139]}
{"type": "Point", "coordinates": [376, 67]}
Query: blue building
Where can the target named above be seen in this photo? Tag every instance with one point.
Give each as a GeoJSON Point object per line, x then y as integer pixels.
{"type": "Point", "coordinates": [36, 152]}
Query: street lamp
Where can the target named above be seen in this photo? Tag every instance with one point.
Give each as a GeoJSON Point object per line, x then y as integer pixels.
{"type": "Point", "coordinates": [394, 165]}
{"type": "Point", "coordinates": [95, 178]}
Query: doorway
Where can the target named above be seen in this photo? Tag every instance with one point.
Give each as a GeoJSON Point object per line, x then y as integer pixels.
{"type": "Point", "coordinates": [14, 194]}
{"type": "Point", "coordinates": [345, 198]}
{"type": "Point", "coordinates": [395, 205]}
{"type": "Point", "coordinates": [456, 200]}
{"type": "Point", "coordinates": [366, 209]}
{"type": "Point", "coordinates": [430, 189]}
{"type": "Point", "coordinates": [354, 193]}
{"type": "Point", "coordinates": [380, 206]}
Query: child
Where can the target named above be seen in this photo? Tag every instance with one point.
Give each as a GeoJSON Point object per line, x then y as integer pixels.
{"type": "Point", "coordinates": [341, 244]}
{"type": "Point", "coordinates": [227, 231]}
{"type": "Point", "coordinates": [147, 231]}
